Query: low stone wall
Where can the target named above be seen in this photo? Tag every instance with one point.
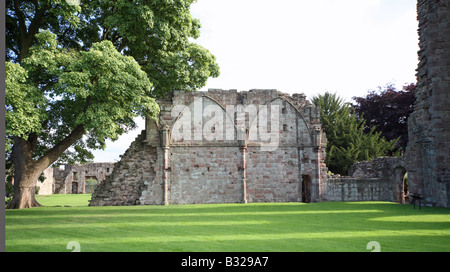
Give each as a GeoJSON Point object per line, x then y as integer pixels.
{"type": "Point", "coordinates": [378, 180]}
{"type": "Point", "coordinates": [358, 189]}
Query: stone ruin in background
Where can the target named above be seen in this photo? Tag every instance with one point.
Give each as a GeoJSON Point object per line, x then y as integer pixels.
{"type": "Point", "coordinates": [72, 179]}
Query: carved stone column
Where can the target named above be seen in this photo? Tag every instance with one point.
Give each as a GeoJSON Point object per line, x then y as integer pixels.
{"type": "Point", "coordinates": [165, 144]}
{"type": "Point", "coordinates": [242, 141]}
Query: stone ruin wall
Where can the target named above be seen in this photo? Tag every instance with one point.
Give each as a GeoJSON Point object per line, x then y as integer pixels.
{"type": "Point", "coordinates": [381, 179]}
{"type": "Point", "coordinates": [157, 169]}
{"type": "Point", "coordinates": [160, 168]}
{"type": "Point", "coordinates": [130, 176]}
{"type": "Point", "coordinates": [427, 154]}
{"type": "Point", "coordinates": [153, 171]}
{"type": "Point", "coordinates": [64, 179]}
{"type": "Point", "coordinates": [46, 187]}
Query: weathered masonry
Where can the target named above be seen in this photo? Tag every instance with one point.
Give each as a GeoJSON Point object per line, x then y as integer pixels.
{"type": "Point", "coordinates": [222, 146]}
{"type": "Point", "coordinates": [381, 179]}
{"type": "Point", "coordinates": [428, 151]}
{"type": "Point", "coordinates": [72, 179]}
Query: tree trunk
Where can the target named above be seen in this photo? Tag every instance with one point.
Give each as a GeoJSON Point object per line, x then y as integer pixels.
{"type": "Point", "coordinates": [27, 170]}
{"type": "Point", "coordinates": [26, 174]}
{"type": "Point", "coordinates": [24, 198]}
{"type": "Point", "coordinates": [25, 179]}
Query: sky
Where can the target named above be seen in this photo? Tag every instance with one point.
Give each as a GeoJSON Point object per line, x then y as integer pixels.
{"type": "Point", "coordinates": [348, 47]}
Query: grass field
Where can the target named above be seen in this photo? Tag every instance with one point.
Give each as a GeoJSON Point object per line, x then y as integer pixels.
{"type": "Point", "coordinates": [264, 227]}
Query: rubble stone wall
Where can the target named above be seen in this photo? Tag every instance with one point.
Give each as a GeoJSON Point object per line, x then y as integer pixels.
{"type": "Point", "coordinates": [427, 152]}
{"type": "Point", "coordinates": [381, 179]}
{"type": "Point", "coordinates": [125, 184]}
{"type": "Point", "coordinates": [359, 189]}
{"type": "Point", "coordinates": [71, 179]}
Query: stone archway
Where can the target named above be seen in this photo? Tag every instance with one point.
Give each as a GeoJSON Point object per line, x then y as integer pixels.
{"type": "Point", "coordinates": [400, 184]}
{"type": "Point", "coordinates": [90, 183]}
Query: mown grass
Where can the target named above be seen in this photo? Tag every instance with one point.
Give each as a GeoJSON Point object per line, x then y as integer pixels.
{"type": "Point", "coordinates": [262, 227]}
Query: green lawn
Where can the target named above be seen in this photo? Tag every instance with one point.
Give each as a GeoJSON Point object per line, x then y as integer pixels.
{"type": "Point", "coordinates": [279, 227]}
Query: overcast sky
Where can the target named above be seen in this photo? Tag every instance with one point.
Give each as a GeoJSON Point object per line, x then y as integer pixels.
{"type": "Point", "coordinates": [302, 46]}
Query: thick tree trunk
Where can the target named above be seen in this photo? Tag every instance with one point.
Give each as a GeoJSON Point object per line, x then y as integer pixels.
{"type": "Point", "coordinates": [27, 170]}
{"type": "Point", "coordinates": [24, 198]}
{"type": "Point", "coordinates": [26, 174]}
{"type": "Point", "coordinates": [25, 179]}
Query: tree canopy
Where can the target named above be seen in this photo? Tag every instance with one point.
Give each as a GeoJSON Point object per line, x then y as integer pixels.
{"type": "Point", "coordinates": [77, 75]}
{"type": "Point", "coordinates": [347, 142]}
{"type": "Point", "coordinates": [388, 110]}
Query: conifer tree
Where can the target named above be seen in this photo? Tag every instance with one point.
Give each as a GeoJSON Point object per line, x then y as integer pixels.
{"type": "Point", "coordinates": [347, 141]}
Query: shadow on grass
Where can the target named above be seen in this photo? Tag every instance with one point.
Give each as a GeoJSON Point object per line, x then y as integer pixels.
{"type": "Point", "coordinates": [326, 226]}
{"type": "Point", "coordinates": [322, 207]}
{"type": "Point", "coordinates": [235, 243]}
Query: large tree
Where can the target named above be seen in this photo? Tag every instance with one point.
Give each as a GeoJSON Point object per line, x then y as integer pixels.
{"type": "Point", "coordinates": [79, 75]}
{"type": "Point", "coordinates": [388, 110]}
{"type": "Point", "coordinates": [347, 142]}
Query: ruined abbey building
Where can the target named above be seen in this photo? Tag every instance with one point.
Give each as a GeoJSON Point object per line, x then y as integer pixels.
{"type": "Point", "coordinates": [211, 147]}
{"type": "Point", "coordinates": [222, 146]}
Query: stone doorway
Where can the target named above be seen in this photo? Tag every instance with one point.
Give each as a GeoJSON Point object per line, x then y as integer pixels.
{"type": "Point", "coordinates": [401, 184]}
{"type": "Point", "coordinates": [91, 183]}
{"type": "Point", "coordinates": [405, 187]}
{"type": "Point", "coordinates": [306, 188]}
{"type": "Point", "coordinates": [74, 187]}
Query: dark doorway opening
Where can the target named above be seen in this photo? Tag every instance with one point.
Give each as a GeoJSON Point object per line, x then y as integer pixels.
{"type": "Point", "coordinates": [401, 181]}
{"type": "Point", "coordinates": [74, 187]}
{"type": "Point", "coordinates": [306, 188]}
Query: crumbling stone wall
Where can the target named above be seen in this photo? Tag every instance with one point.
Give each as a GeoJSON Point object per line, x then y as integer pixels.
{"type": "Point", "coordinates": [222, 146]}
{"type": "Point", "coordinates": [381, 179]}
{"type": "Point", "coordinates": [72, 178]}
{"type": "Point", "coordinates": [127, 181]}
{"type": "Point", "coordinates": [427, 153]}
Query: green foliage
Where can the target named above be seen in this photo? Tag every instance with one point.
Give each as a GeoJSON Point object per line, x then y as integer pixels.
{"type": "Point", "coordinates": [347, 141]}
{"type": "Point", "coordinates": [91, 181]}
{"type": "Point", "coordinates": [99, 89]}
{"type": "Point", "coordinates": [187, 70]}
{"type": "Point", "coordinates": [25, 106]}
{"type": "Point", "coordinates": [157, 34]}
{"type": "Point", "coordinates": [9, 192]}
{"type": "Point", "coordinates": [98, 65]}
{"type": "Point", "coordinates": [24, 19]}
